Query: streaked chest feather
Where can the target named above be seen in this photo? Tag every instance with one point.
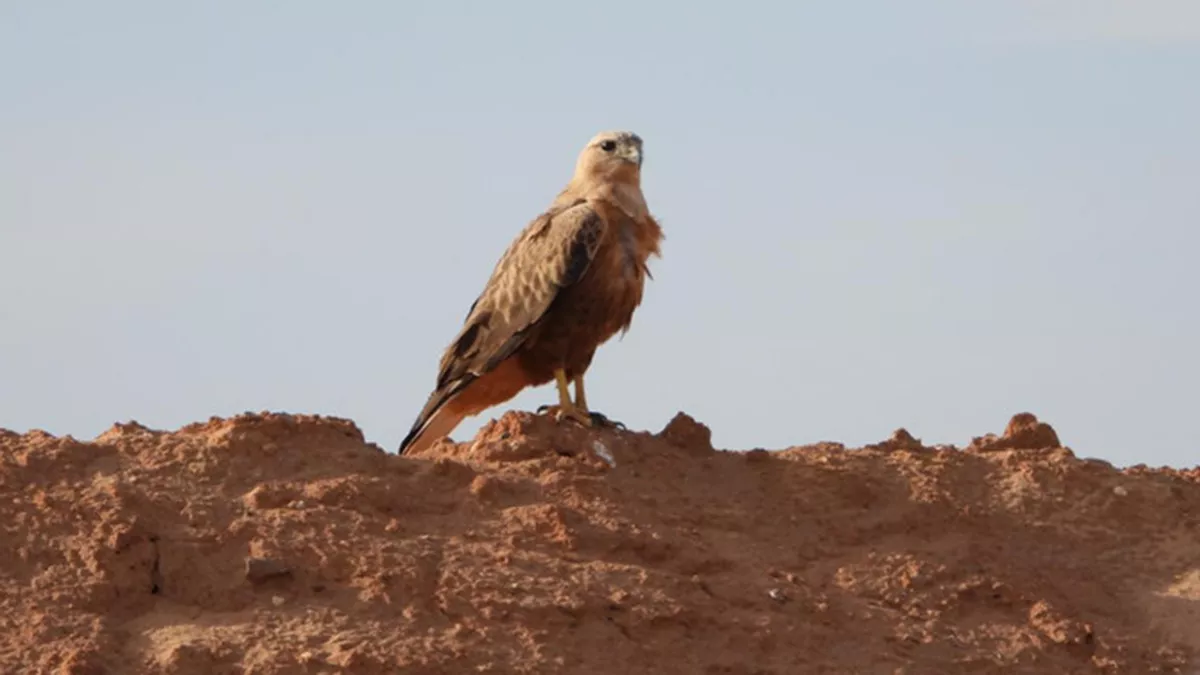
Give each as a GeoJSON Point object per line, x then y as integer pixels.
{"type": "Point", "coordinates": [631, 262]}
{"type": "Point", "coordinates": [621, 260]}
{"type": "Point", "coordinates": [612, 289]}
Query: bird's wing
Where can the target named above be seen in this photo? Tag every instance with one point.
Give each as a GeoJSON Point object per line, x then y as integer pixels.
{"type": "Point", "coordinates": [550, 254]}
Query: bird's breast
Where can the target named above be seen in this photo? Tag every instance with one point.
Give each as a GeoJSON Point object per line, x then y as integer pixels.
{"type": "Point", "coordinates": [631, 260]}
{"type": "Point", "coordinates": [613, 286]}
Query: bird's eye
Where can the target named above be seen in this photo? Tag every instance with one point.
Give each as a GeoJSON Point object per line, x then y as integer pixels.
{"type": "Point", "coordinates": [608, 146]}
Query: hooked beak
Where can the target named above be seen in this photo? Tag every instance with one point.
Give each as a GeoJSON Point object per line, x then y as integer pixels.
{"type": "Point", "coordinates": [634, 154]}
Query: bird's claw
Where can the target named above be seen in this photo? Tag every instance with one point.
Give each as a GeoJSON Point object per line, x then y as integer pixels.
{"type": "Point", "coordinates": [601, 420]}
{"type": "Point", "coordinates": [588, 419]}
{"type": "Point", "coordinates": [560, 413]}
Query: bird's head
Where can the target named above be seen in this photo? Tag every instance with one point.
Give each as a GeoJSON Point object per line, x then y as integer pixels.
{"type": "Point", "coordinates": [611, 156]}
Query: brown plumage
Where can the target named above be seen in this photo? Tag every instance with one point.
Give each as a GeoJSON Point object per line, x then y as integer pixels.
{"type": "Point", "coordinates": [568, 282]}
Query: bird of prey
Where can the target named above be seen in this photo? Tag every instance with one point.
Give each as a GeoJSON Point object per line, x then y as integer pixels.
{"type": "Point", "coordinates": [568, 282]}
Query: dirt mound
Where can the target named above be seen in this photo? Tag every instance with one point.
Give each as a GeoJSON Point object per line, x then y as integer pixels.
{"type": "Point", "coordinates": [287, 544]}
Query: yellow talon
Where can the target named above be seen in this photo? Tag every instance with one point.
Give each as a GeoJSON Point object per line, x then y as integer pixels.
{"type": "Point", "coordinates": [565, 407]}
{"type": "Point", "coordinates": [577, 410]}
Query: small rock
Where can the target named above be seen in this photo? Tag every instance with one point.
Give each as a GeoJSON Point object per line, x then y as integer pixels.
{"type": "Point", "coordinates": [278, 600]}
{"type": "Point", "coordinates": [777, 595]}
{"type": "Point", "coordinates": [259, 570]}
{"type": "Point", "coordinates": [1024, 432]}
{"type": "Point", "coordinates": [603, 453]}
{"type": "Point", "coordinates": [902, 440]}
{"type": "Point", "coordinates": [899, 440]}
{"type": "Point", "coordinates": [687, 433]}
{"type": "Point", "coordinates": [1120, 491]}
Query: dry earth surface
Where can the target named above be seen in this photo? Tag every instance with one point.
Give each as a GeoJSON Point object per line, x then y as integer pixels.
{"type": "Point", "coordinates": [272, 543]}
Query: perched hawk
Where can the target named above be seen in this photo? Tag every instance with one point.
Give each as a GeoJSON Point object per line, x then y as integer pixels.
{"type": "Point", "coordinates": [566, 284]}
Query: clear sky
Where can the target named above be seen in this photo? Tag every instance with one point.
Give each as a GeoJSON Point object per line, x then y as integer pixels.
{"type": "Point", "coordinates": [878, 214]}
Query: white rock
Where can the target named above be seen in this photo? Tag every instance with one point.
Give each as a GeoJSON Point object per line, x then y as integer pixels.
{"type": "Point", "coordinates": [603, 453]}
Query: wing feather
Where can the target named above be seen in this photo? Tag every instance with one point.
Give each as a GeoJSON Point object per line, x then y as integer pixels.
{"type": "Point", "coordinates": [551, 253]}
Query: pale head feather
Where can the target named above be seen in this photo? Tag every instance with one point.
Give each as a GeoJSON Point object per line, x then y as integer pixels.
{"type": "Point", "coordinates": [611, 156]}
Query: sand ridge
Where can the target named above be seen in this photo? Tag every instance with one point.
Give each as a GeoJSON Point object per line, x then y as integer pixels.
{"type": "Point", "coordinates": [277, 543]}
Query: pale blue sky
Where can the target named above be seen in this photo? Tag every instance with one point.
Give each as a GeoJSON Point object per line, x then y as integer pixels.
{"type": "Point", "coordinates": [878, 214]}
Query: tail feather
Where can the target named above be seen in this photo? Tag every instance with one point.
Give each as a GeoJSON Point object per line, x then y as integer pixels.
{"type": "Point", "coordinates": [439, 417]}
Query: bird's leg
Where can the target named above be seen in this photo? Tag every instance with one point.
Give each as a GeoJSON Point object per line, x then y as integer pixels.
{"type": "Point", "coordinates": [580, 397]}
{"type": "Point", "coordinates": [565, 407]}
{"type": "Point", "coordinates": [581, 403]}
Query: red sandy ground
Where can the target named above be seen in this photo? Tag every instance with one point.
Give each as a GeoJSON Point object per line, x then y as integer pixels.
{"type": "Point", "coordinates": [286, 544]}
